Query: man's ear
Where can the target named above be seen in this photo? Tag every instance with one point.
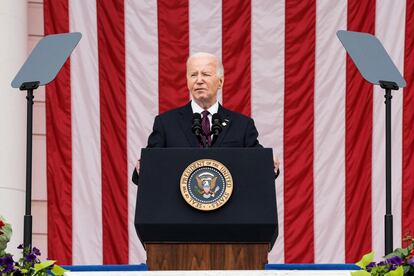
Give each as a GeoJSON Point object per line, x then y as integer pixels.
{"type": "Point", "coordinates": [221, 82]}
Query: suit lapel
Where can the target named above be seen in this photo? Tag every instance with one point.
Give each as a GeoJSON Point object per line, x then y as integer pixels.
{"type": "Point", "coordinates": [226, 119]}
{"type": "Point", "coordinates": [186, 114]}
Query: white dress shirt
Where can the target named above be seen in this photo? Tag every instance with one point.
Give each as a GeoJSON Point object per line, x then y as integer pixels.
{"type": "Point", "coordinates": [198, 109]}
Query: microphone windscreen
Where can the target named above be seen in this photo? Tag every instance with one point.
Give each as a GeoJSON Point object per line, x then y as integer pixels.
{"type": "Point", "coordinates": [216, 124]}
{"type": "Point", "coordinates": [196, 124]}
{"type": "Point", "coordinates": [196, 116]}
{"type": "Point", "coordinates": [216, 118]}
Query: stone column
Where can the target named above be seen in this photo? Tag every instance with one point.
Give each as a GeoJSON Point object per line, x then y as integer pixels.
{"type": "Point", "coordinates": [13, 52]}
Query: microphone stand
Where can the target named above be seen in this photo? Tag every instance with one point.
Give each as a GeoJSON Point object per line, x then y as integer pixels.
{"type": "Point", "coordinates": [27, 227]}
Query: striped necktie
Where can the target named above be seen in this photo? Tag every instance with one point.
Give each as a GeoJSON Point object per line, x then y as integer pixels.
{"type": "Point", "coordinates": [205, 124]}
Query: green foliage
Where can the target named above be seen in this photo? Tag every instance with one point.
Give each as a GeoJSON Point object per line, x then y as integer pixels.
{"type": "Point", "coordinates": [5, 235]}
{"type": "Point", "coordinates": [398, 263]}
{"type": "Point", "coordinates": [29, 264]}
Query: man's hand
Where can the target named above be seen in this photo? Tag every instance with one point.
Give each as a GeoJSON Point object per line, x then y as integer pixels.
{"type": "Point", "coordinates": [276, 164]}
{"type": "Point", "coordinates": [138, 166]}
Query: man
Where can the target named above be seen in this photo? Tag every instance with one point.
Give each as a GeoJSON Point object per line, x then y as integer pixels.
{"type": "Point", "coordinates": [205, 76]}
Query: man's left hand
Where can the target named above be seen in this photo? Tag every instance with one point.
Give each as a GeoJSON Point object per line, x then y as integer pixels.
{"type": "Point", "coordinates": [276, 164]}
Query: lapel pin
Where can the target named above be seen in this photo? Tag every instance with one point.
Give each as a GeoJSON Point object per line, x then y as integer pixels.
{"type": "Point", "coordinates": [225, 122]}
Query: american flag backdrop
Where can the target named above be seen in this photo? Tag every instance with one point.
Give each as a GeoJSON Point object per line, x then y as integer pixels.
{"type": "Point", "coordinates": [284, 66]}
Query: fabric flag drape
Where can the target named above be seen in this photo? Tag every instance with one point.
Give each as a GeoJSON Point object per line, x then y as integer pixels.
{"type": "Point", "coordinates": [284, 66]}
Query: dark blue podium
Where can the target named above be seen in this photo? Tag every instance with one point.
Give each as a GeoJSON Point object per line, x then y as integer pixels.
{"type": "Point", "coordinates": [238, 235]}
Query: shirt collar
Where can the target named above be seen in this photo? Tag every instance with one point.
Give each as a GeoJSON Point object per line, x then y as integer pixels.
{"type": "Point", "coordinates": [197, 109]}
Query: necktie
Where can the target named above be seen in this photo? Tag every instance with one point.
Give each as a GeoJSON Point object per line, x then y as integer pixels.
{"type": "Point", "coordinates": [205, 124]}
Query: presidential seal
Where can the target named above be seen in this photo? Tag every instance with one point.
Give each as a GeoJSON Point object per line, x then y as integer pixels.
{"type": "Point", "coordinates": [206, 184]}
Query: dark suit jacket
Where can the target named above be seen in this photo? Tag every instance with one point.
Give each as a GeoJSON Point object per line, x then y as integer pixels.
{"type": "Point", "coordinates": [173, 129]}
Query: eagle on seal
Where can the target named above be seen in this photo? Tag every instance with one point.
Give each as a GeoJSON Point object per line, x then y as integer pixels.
{"type": "Point", "coordinates": [207, 186]}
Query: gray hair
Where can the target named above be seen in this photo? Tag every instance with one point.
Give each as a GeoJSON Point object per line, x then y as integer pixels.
{"type": "Point", "coordinates": [219, 69]}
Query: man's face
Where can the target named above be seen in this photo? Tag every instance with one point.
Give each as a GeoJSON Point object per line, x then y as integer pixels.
{"type": "Point", "coordinates": [202, 79]}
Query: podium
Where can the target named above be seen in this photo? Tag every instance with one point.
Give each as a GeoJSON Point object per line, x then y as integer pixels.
{"type": "Point", "coordinates": [178, 236]}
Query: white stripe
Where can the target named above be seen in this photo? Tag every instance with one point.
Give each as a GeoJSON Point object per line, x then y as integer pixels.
{"type": "Point", "coordinates": [142, 96]}
{"type": "Point", "coordinates": [390, 30]}
{"type": "Point", "coordinates": [267, 95]}
{"type": "Point", "coordinates": [329, 128]}
{"type": "Point", "coordinates": [86, 150]}
{"type": "Point", "coordinates": [205, 28]}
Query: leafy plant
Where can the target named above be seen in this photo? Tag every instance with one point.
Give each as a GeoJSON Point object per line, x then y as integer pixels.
{"type": "Point", "coordinates": [29, 264]}
{"type": "Point", "coordinates": [398, 263]}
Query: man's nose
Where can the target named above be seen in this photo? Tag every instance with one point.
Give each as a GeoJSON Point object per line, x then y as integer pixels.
{"type": "Point", "coordinates": [199, 78]}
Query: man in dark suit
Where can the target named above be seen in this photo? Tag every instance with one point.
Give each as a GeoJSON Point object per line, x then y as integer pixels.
{"type": "Point", "coordinates": [205, 76]}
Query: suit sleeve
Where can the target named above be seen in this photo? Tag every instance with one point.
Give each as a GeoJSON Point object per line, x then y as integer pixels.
{"type": "Point", "coordinates": [155, 140]}
{"type": "Point", "coordinates": [157, 137]}
{"type": "Point", "coordinates": [251, 134]}
{"type": "Point", "coordinates": [251, 139]}
{"type": "Point", "coordinates": [135, 177]}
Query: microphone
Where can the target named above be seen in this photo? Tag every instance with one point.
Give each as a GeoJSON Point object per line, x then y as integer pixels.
{"type": "Point", "coordinates": [196, 124]}
{"type": "Point", "coordinates": [216, 127]}
{"type": "Point", "coordinates": [197, 129]}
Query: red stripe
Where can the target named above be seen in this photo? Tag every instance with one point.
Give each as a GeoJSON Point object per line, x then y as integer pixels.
{"type": "Point", "coordinates": [298, 130]}
{"type": "Point", "coordinates": [358, 142]}
{"type": "Point", "coordinates": [173, 50]}
{"type": "Point", "coordinates": [236, 53]}
{"type": "Point", "coordinates": [111, 54]}
{"type": "Point", "coordinates": [408, 123]}
{"type": "Point", "coordinates": [59, 145]}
